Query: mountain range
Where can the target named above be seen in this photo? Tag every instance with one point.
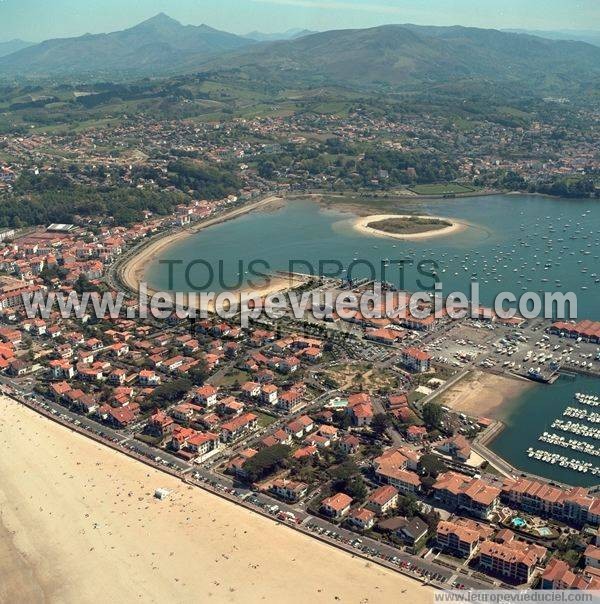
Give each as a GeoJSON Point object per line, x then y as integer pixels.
{"type": "Point", "coordinates": [159, 45]}
{"type": "Point", "coordinates": [408, 55]}
{"type": "Point", "coordinates": [290, 34]}
{"type": "Point", "coordinates": [10, 46]}
{"type": "Point", "coordinates": [397, 56]}
{"type": "Point", "coordinates": [580, 35]}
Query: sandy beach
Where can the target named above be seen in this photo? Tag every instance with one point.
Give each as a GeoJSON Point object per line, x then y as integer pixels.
{"type": "Point", "coordinates": [133, 270]}
{"type": "Point", "coordinates": [79, 523]}
{"type": "Point", "coordinates": [362, 225]}
{"type": "Point", "coordinates": [481, 394]}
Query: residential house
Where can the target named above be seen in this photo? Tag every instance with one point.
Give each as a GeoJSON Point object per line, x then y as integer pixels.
{"type": "Point", "coordinates": [592, 556]}
{"type": "Point", "coordinates": [300, 427]}
{"type": "Point", "coordinates": [349, 444]}
{"type": "Point", "coordinates": [457, 447]}
{"type": "Point", "coordinates": [461, 536]}
{"type": "Point", "coordinates": [361, 518]}
{"type": "Point", "coordinates": [360, 409]}
{"type": "Point", "coordinates": [337, 505]}
{"type": "Point", "coordinates": [558, 575]}
{"type": "Point", "coordinates": [511, 559]}
{"type": "Point", "coordinates": [290, 490]}
{"type": "Point", "coordinates": [473, 495]}
{"type": "Point", "coordinates": [268, 394]}
{"type": "Point", "coordinates": [160, 424]}
{"type": "Point", "coordinates": [236, 465]}
{"type": "Point", "coordinates": [383, 499]}
{"type": "Point", "coordinates": [414, 531]}
{"type": "Point", "coordinates": [392, 468]}
{"type": "Point", "coordinates": [206, 395]}
{"type": "Point", "coordinates": [250, 389]}
{"type": "Point", "coordinates": [237, 426]}
{"type": "Point", "coordinates": [290, 400]}
{"type": "Point", "coordinates": [147, 377]}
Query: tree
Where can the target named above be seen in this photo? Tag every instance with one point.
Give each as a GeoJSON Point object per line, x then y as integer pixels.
{"type": "Point", "coordinates": [432, 518]}
{"type": "Point", "coordinates": [355, 487]}
{"type": "Point", "coordinates": [266, 461]}
{"type": "Point", "coordinates": [347, 478]}
{"type": "Point", "coordinates": [431, 465]}
{"type": "Point", "coordinates": [266, 169]}
{"type": "Point", "coordinates": [381, 422]}
{"type": "Point", "coordinates": [432, 415]}
{"type": "Point", "coordinates": [199, 373]}
{"type": "Point", "coordinates": [408, 506]}
{"type": "Point", "coordinates": [166, 394]}
{"type": "Point", "coordinates": [345, 471]}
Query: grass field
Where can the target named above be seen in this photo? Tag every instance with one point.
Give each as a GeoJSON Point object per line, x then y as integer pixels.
{"type": "Point", "coordinates": [265, 420]}
{"type": "Point", "coordinates": [442, 189]}
{"type": "Point", "coordinates": [409, 226]}
{"type": "Point", "coordinates": [235, 376]}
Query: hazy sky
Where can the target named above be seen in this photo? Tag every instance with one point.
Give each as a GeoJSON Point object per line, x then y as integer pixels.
{"type": "Point", "coordinates": [36, 20]}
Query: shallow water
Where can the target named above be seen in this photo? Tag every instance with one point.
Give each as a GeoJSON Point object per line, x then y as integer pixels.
{"type": "Point", "coordinates": [515, 243]}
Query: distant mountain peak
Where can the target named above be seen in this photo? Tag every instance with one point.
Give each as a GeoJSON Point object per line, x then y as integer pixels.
{"type": "Point", "coordinates": [10, 46]}
{"type": "Point", "coordinates": [290, 34]}
{"type": "Point", "coordinates": [158, 45]}
{"type": "Point", "coordinates": [159, 20]}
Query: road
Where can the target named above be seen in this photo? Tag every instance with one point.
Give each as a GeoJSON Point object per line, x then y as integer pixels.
{"type": "Point", "coordinates": [426, 570]}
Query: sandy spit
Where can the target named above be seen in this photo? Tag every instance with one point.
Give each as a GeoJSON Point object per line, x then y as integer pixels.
{"type": "Point", "coordinates": [362, 225]}
{"type": "Point", "coordinates": [133, 270]}
{"type": "Point", "coordinates": [481, 394]}
{"type": "Point", "coordinates": [79, 524]}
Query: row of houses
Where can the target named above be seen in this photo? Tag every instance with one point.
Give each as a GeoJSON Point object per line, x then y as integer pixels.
{"type": "Point", "coordinates": [381, 502]}
{"type": "Point", "coordinates": [511, 559]}
{"type": "Point", "coordinates": [589, 331]}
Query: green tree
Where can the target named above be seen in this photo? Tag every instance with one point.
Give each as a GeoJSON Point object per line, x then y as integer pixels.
{"type": "Point", "coordinates": [381, 422]}
{"type": "Point", "coordinates": [408, 506]}
{"type": "Point", "coordinates": [266, 461]}
{"type": "Point", "coordinates": [432, 415]}
{"type": "Point", "coordinates": [431, 465]}
{"type": "Point", "coordinates": [199, 373]}
{"type": "Point", "coordinates": [166, 394]}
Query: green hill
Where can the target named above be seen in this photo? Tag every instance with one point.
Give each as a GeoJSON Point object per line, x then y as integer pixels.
{"type": "Point", "coordinates": [410, 56]}
{"type": "Point", "coordinates": [393, 57]}
{"type": "Point", "coordinates": [158, 45]}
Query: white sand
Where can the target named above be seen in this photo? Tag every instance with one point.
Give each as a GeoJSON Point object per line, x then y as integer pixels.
{"type": "Point", "coordinates": [135, 268]}
{"type": "Point", "coordinates": [481, 394]}
{"type": "Point", "coordinates": [79, 524]}
{"type": "Point", "coordinates": [362, 225]}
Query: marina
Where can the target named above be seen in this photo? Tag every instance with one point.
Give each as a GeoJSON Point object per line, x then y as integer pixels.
{"type": "Point", "coordinates": [538, 416]}
{"type": "Point", "coordinates": [571, 443]}
{"type": "Point", "coordinates": [591, 417]}
{"type": "Point", "coordinates": [584, 429]}
{"type": "Point", "coordinates": [592, 400]}
{"type": "Point", "coordinates": [576, 428]}
{"type": "Point", "coordinates": [562, 461]}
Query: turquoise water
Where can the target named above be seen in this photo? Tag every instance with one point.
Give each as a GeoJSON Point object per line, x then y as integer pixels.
{"type": "Point", "coordinates": [515, 243]}
{"type": "Point", "coordinates": [531, 414]}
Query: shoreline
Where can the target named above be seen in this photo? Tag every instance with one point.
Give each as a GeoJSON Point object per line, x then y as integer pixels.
{"type": "Point", "coordinates": [95, 511]}
{"type": "Point", "coordinates": [133, 268]}
{"type": "Point", "coordinates": [131, 271]}
{"type": "Point", "coordinates": [275, 285]}
{"type": "Point", "coordinates": [362, 226]}
{"type": "Point", "coordinates": [484, 395]}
